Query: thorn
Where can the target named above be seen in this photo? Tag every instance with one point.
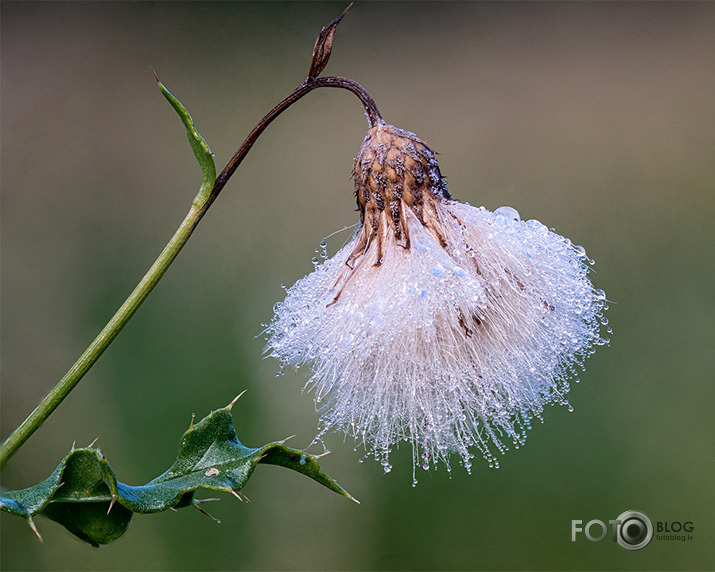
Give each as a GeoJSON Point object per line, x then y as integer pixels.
{"type": "Point", "coordinates": [202, 511]}
{"type": "Point", "coordinates": [235, 399]}
{"type": "Point", "coordinates": [244, 497]}
{"type": "Point", "coordinates": [347, 494]}
{"type": "Point", "coordinates": [234, 493]}
{"type": "Point", "coordinates": [92, 443]}
{"type": "Point", "coordinates": [111, 504]}
{"type": "Point", "coordinates": [284, 440]}
{"type": "Point", "coordinates": [73, 444]}
{"type": "Point", "coordinates": [351, 497]}
{"type": "Point", "coordinates": [34, 528]}
{"type": "Point", "coordinates": [193, 416]}
{"type": "Point", "coordinates": [156, 77]}
{"type": "Point", "coordinates": [322, 454]}
{"type": "Point", "coordinates": [201, 501]}
{"type": "Point", "coordinates": [172, 508]}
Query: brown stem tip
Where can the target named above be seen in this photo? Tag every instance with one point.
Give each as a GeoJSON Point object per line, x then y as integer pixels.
{"type": "Point", "coordinates": [324, 46]}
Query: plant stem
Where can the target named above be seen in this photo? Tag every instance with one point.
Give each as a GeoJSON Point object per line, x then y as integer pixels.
{"type": "Point", "coordinates": [373, 115]}
{"type": "Point", "coordinates": [204, 199]}
{"type": "Point", "coordinates": [105, 337]}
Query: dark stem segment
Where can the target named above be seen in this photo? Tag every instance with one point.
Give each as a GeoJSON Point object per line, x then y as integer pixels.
{"type": "Point", "coordinates": [306, 87]}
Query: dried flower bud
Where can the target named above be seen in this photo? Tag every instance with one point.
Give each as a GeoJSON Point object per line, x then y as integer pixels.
{"type": "Point", "coordinates": [439, 324]}
{"type": "Point", "coordinates": [393, 171]}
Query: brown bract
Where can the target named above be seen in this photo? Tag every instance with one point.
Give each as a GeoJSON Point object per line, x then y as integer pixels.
{"type": "Point", "coordinates": [324, 46]}
{"type": "Point", "coordinates": [394, 171]}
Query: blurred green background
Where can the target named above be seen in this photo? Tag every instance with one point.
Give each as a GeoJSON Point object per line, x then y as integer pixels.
{"type": "Point", "coordinates": [596, 118]}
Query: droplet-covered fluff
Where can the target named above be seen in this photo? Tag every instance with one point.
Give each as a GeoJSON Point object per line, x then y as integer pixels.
{"type": "Point", "coordinates": [441, 325]}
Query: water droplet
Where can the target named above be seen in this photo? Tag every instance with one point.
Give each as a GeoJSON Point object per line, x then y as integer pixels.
{"type": "Point", "coordinates": [438, 271]}
{"type": "Point", "coordinates": [509, 214]}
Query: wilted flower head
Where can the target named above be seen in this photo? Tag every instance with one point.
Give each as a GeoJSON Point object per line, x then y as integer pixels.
{"type": "Point", "coordinates": [440, 324]}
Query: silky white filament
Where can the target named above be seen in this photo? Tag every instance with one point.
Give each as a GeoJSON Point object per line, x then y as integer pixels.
{"type": "Point", "coordinates": [447, 348]}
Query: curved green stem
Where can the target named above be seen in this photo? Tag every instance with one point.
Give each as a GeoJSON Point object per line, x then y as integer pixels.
{"type": "Point", "coordinates": [105, 337]}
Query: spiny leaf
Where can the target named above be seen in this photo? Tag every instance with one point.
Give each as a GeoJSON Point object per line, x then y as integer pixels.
{"type": "Point", "coordinates": [198, 143]}
{"type": "Point", "coordinates": [84, 496]}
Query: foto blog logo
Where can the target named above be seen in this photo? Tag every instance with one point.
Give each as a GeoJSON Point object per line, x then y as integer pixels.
{"type": "Point", "coordinates": [632, 530]}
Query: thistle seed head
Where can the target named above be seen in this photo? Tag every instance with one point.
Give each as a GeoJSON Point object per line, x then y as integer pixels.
{"type": "Point", "coordinates": [439, 324]}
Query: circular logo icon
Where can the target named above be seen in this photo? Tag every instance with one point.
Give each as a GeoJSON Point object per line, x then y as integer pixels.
{"type": "Point", "coordinates": [635, 530]}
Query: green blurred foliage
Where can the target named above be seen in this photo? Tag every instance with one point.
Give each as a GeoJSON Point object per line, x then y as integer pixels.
{"type": "Point", "coordinates": [595, 118]}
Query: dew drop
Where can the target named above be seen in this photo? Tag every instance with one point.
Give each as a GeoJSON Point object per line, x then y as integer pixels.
{"type": "Point", "coordinates": [508, 213]}
{"type": "Point", "coordinates": [438, 271]}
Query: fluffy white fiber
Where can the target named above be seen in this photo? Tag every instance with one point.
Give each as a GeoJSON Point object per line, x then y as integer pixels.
{"type": "Point", "coordinates": [450, 349]}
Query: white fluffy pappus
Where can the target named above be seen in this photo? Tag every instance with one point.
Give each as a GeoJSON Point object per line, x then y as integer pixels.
{"type": "Point", "coordinates": [439, 324]}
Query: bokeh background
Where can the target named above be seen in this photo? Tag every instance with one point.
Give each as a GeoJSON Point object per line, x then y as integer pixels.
{"type": "Point", "coordinates": [596, 118]}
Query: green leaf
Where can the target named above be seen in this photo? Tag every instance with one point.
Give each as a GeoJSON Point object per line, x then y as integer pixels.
{"type": "Point", "coordinates": [84, 496]}
{"type": "Point", "coordinates": [198, 143]}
